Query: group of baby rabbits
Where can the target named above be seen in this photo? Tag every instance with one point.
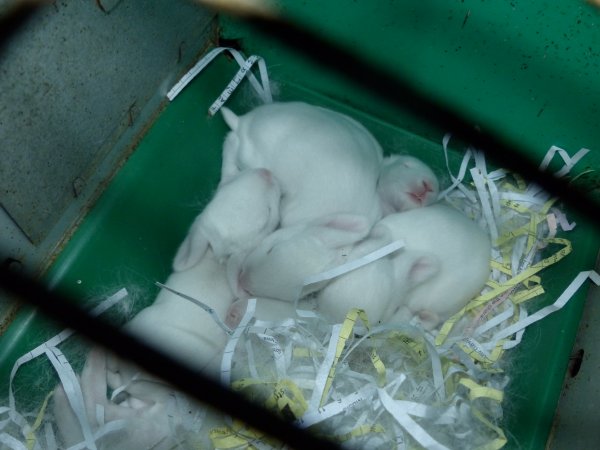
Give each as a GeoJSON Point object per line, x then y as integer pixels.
{"type": "Point", "coordinates": [340, 199]}
{"type": "Point", "coordinates": [303, 189]}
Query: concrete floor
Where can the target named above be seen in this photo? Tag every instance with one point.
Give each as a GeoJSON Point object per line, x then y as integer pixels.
{"type": "Point", "coordinates": [577, 421]}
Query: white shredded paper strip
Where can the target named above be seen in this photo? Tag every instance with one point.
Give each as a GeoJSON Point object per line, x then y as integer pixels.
{"type": "Point", "coordinates": [11, 442]}
{"type": "Point", "coordinates": [558, 304]}
{"type": "Point", "coordinates": [399, 412]}
{"type": "Point", "coordinates": [277, 351]}
{"type": "Point", "coordinates": [204, 306]}
{"type": "Point", "coordinates": [73, 391]}
{"type": "Point", "coordinates": [568, 160]}
{"type": "Point", "coordinates": [336, 407]}
{"type": "Point", "coordinates": [355, 264]}
{"type": "Point", "coordinates": [323, 373]}
{"type": "Point", "coordinates": [263, 90]}
{"type": "Point", "coordinates": [64, 370]}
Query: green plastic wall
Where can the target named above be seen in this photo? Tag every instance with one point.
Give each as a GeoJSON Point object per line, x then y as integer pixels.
{"type": "Point", "coordinates": [527, 69]}
{"type": "Point", "coordinates": [129, 237]}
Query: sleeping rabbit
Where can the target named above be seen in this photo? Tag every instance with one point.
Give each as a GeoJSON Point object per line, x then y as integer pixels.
{"type": "Point", "coordinates": [373, 287]}
{"type": "Point", "coordinates": [158, 421]}
{"type": "Point", "coordinates": [180, 327]}
{"type": "Point", "coordinates": [173, 325]}
{"type": "Point", "coordinates": [446, 262]}
{"type": "Point", "coordinates": [326, 162]}
{"type": "Point", "coordinates": [405, 182]}
{"type": "Point", "coordinates": [243, 211]}
{"type": "Point", "coordinates": [278, 266]}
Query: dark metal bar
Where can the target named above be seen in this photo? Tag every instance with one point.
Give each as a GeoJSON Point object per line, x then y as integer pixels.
{"type": "Point", "coordinates": [190, 381]}
{"type": "Point", "coordinates": [15, 17]}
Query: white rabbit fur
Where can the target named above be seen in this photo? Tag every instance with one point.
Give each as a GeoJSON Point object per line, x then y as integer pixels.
{"type": "Point", "coordinates": [446, 261]}
{"type": "Point", "coordinates": [372, 287]}
{"type": "Point", "coordinates": [171, 324]}
{"type": "Point", "coordinates": [406, 182]}
{"type": "Point", "coordinates": [150, 423]}
{"type": "Point", "coordinates": [380, 286]}
{"type": "Point", "coordinates": [325, 161]}
{"type": "Point", "coordinates": [180, 327]}
{"type": "Point", "coordinates": [243, 211]}
{"type": "Point", "coordinates": [277, 267]}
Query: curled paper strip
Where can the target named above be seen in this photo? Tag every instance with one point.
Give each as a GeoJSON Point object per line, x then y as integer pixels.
{"type": "Point", "coordinates": [401, 415]}
{"type": "Point", "coordinates": [204, 306]}
{"type": "Point", "coordinates": [68, 379]}
{"type": "Point", "coordinates": [568, 160]}
{"type": "Point", "coordinates": [263, 89]}
{"type": "Point", "coordinates": [355, 264]}
{"type": "Point", "coordinates": [557, 305]}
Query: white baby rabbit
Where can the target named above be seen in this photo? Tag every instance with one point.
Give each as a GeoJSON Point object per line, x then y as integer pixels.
{"type": "Point", "coordinates": [406, 182]}
{"type": "Point", "coordinates": [178, 326]}
{"type": "Point", "coordinates": [325, 161]}
{"type": "Point", "coordinates": [156, 422]}
{"type": "Point", "coordinates": [243, 211]}
{"type": "Point", "coordinates": [446, 262]}
{"type": "Point", "coordinates": [277, 267]}
{"type": "Point", "coordinates": [172, 324]}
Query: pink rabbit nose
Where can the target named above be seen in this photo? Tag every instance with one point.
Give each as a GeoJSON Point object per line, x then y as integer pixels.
{"type": "Point", "coordinates": [420, 193]}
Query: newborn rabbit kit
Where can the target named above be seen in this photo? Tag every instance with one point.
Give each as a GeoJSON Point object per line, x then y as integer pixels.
{"type": "Point", "coordinates": [345, 243]}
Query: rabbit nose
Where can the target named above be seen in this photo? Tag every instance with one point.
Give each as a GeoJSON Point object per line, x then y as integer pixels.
{"type": "Point", "coordinates": [419, 194]}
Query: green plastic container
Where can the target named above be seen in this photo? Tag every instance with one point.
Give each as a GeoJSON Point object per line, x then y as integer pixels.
{"type": "Point", "coordinates": [527, 70]}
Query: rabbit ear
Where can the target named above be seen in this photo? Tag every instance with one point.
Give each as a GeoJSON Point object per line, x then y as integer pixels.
{"type": "Point", "coordinates": [389, 160]}
{"type": "Point", "coordinates": [191, 250]}
{"type": "Point", "coordinates": [428, 319]}
{"type": "Point", "coordinates": [230, 118]}
{"type": "Point", "coordinates": [342, 229]}
{"type": "Point", "coordinates": [423, 268]}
